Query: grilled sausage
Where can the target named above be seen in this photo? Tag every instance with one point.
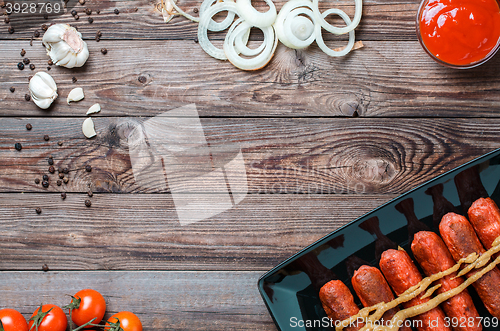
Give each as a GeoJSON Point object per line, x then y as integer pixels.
{"type": "Point", "coordinates": [461, 240]}
{"type": "Point", "coordinates": [372, 288]}
{"type": "Point", "coordinates": [433, 256]}
{"type": "Point", "coordinates": [485, 218]}
{"type": "Point", "coordinates": [401, 273]}
{"type": "Point", "coordinates": [338, 303]}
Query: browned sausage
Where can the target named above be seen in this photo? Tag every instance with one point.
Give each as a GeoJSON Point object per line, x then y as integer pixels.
{"type": "Point", "coordinates": [372, 288]}
{"type": "Point", "coordinates": [433, 256]}
{"type": "Point", "coordinates": [401, 273]}
{"type": "Point", "coordinates": [338, 303]}
{"type": "Point", "coordinates": [485, 218]}
{"type": "Point", "coordinates": [461, 240]}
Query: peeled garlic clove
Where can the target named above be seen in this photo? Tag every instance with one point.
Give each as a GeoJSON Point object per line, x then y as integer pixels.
{"type": "Point", "coordinates": [43, 89]}
{"type": "Point", "coordinates": [76, 94]}
{"type": "Point", "coordinates": [88, 128]}
{"type": "Point", "coordinates": [65, 46]}
{"type": "Point", "coordinates": [94, 109]}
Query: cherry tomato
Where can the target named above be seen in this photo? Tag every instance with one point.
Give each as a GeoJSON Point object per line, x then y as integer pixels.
{"type": "Point", "coordinates": [90, 304]}
{"type": "Point", "coordinates": [54, 320]}
{"type": "Point", "coordinates": [12, 320]}
{"type": "Point", "coordinates": [128, 321]}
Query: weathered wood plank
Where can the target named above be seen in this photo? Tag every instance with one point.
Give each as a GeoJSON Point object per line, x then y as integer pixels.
{"type": "Point", "coordinates": [281, 155]}
{"type": "Point", "coordinates": [162, 300]}
{"type": "Point", "coordinates": [139, 19]}
{"type": "Point", "coordinates": [382, 79]}
{"type": "Point", "coordinates": [142, 232]}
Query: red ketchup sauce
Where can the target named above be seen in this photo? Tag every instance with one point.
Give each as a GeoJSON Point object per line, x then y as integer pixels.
{"type": "Point", "coordinates": [460, 32]}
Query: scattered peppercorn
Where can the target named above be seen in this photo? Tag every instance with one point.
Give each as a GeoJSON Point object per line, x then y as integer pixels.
{"type": "Point", "coordinates": [45, 183]}
{"type": "Point", "coordinates": [65, 180]}
{"type": "Point", "coordinates": [142, 79]}
{"type": "Point", "coordinates": [20, 66]}
{"type": "Point", "coordinates": [117, 11]}
{"type": "Point", "coordinates": [195, 10]}
{"type": "Point", "coordinates": [60, 143]}
{"type": "Point", "coordinates": [26, 61]}
{"type": "Point", "coordinates": [195, 40]}
{"type": "Point", "coordinates": [90, 194]}
{"type": "Point", "coordinates": [88, 203]}
{"type": "Point", "coordinates": [91, 20]}
{"type": "Point", "coordinates": [88, 11]}
{"type": "Point", "coordinates": [98, 36]}
{"type": "Point", "coordinates": [104, 51]}
{"type": "Point", "coordinates": [49, 62]}
{"type": "Point", "coordinates": [32, 66]}
{"type": "Point", "coordinates": [6, 20]}
{"type": "Point", "coordinates": [59, 182]}
{"type": "Point", "coordinates": [48, 68]}
{"type": "Point", "coordinates": [46, 137]}
{"type": "Point", "coordinates": [11, 30]}
{"type": "Point", "coordinates": [36, 33]}
{"type": "Point", "coordinates": [45, 268]}
{"type": "Point", "coordinates": [88, 168]}
{"type": "Point", "coordinates": [61, 175]}
{"type": "Point", "coordinates": [63, 195]}
{"type": "Point", "coordinates": [66, 170]}
{"type": "Point", "coordinates": [23, 52]}
{"type": "Point", "coordinates": [51, 169]}
{"type": "Point", "coordinates": [74, 79]}
{"type": "Point", "coordinates": [29, 126]}
{"type": "Point", "coordinates": [45, 177]}
{"type": "Point", "coordinates": [51, 162]}
{"type": "Point", "coordinates": [73, 12]}
{"type": "Point", "coordinates": [18, 146]}
{"type": "Point", "coordinates": [37, 181]}
{"type": "Point", "coordinates": [12, 89]}
{"type": "Point", "coordinates": [76, 17]}
{"type": "Point", "coordinates": [44, 27]}
{"type": "Point", "coordinates": [27, 97]}
{"type": "Point", "coordinates": [38, 210]}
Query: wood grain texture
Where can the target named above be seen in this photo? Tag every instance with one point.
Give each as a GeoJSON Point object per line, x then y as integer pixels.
{"type": "Point", "coordinates": [142, 232]}
{"type": "Point", "coordinates": [383, 79]}
{"type": "Point", "coordinates": [281, 155]}
{"type": "Point", "coordinates": [138, 19]}
{"type": "Point", "coordinates": [162, 300]}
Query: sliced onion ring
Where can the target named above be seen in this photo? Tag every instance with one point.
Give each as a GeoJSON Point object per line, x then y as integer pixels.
{"type": "Point", "coordinates": [319, 37]}
{"type": "Point", "coordinates": [238, 30]}
{"type": "Point", "coordinates": [214, 25]}
{"type": "Point", "coordinates": [284, 16]}
{"type": "Point", "coordinates": [205, 19]}
{"type": "Point", "coordinates": [336, 30]}
{"type": "Point", "coordinates": [254, 17]}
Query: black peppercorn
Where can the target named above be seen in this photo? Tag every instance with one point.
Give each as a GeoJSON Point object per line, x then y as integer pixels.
{"type": "Point", "coordinates": [26, 61]}
{"type": "Point", "coordinates": [27, 97]}
{"type": "Point", "coordinates": [88, 11]}
{"type": "Point", "coordinates": [73, 12]}
{"type": "Point", "coordinates": [37, 181]}
{"type": "Point", "coordinates": [117, 11]}
{"type": "Point", "coordinates": [46, 137]}
{"type": "Point", "coordinates": [51, 161]}
{"type": "Point", "coordinates": [66, 170]}
{"type": "Point", "coordinates": [76, 17]}
{"type": "Point", "coordinates": [23, 52]}
{"type": "Point", "coordinates": [90, 194]}
{"type": "Point", "coordinates": [36, 33]}
{"type": "Point", "coordinates": [65, 180]}
{"type": "Point", "coordinates": [45, 177]}
{"type": "Point", "coordinates": [195, 40]}
{"type": "Point", "coordinates": [195, 10]}
{"type": "Point", "coordinates": [59, 182]}
{"type": "Point", "coordinates": [29, 126]}
{"type": "Point", "coordinates": [11, 30]}
{"type": "Point", "coordinates": [88, 168]}
{"type": "Point", "coordinates": [74, 79]}
{"type": "Point", "coordinates": [48, 68]}
{"type": "Point", "coordinates": [45, 268]}
{"type": "Point", "coordinates": [51, 169]}
{"type": "Point", "coordinates": [88, 203]}
{"type": "Point", "coordinates": [49, 62]}
{"type": "Point", "coordinates": [18, 146]}
{"type": "Point", "coordinates": [104, 51]}
{"type": "Point", "coordinates": [20, 66]}
{"type": "Point", "coordinates": [91, 20]}
{"type": "Point", "coordinates": [6, 20]}
{"type": "Point", "coordinates": [60, 143]}
{"type": "Point", "coordinates": [45, 184]}
{"type": "Point", "coordinates": [63, 195]}
{"type": "Point", "coordinates": [61, 175]}
{"type": "Point", "coordinates": [32, 66]}
{"type": "Point", "coordinates": [38, 210]}
{"type": "Point", "coordinates": [12, 89]}
{"type": "Point", "coordinates": [44, 27]}
{"type": "Point", "coordinates": [142, 79]}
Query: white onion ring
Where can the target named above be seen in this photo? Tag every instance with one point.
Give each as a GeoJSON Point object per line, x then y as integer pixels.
{"type": "Point", "coordinates": [319, 37]}
{"type": "Point", "coordinates": [286, 21]}
{"type": "Point", "coordinates": [336, 30]}
{"type": "Point", "coordinates": [214, 25]}
{"type": "Point", "coordinates": [254, 17]}
{"type": "Point", "coordinates": [237, 31]}
{"type": "Point", "coordinates": [205, 19]}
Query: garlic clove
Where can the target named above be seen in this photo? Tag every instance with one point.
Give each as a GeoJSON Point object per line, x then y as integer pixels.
{"type": "Point", "coordinates": [43, 89]}
{"type": "Point", "coordinates": [88, 128]}
{"type": "Point", "coordinates": [65, 46]}
{"type": "Point", "coordinates": [76, 94]}
{"type": "Point", "coordinates": [94, 109]}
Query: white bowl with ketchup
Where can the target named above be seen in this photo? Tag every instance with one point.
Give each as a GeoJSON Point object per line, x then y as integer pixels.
{"type": "Point", "coordinates": [459, 34]}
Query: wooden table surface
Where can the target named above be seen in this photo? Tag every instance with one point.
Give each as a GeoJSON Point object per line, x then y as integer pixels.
{"type": "Point", "coordinates": [324, 140]}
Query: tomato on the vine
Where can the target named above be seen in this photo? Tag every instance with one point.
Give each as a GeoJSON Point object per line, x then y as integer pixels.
{"type": "Point", "coordinates": [12, 320]}
{"type": "Point", "coordinates": [127, 321]}
{"type": "Point", "coordinates": [48, 318]}
{"type": "Point", "coordinates": [86, 305]}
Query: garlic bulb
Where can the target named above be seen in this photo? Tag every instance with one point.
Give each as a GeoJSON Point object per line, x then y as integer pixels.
{"type": "Point", "coordinates": [65, 46]}
{"type": "Point", "coordinates": [43, 89]}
